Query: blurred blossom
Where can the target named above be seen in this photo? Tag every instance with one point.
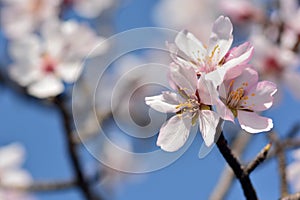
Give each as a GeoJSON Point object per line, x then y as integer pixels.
{"type": "Point", "coordinates": [21, 17]}
{"type": "Point", "coordinates": [90, 8]}
{"type": "Point", "coordinates": [243, 97]}
{"type": "Point", "coordinates": [215, 59]}
{"type": "Point", "coordinates": [196, 16]}
{"type": "Point", "coordinates": [11, 175]}
{"type": "Point", "coordinates": [42, 63]}
{"type": "Point", "coordinates": [276, 63]}
{"type": "Point", "coordinates": [290, 14]}
{"type": "Point", "coordinates": [293, 171]}
{"type": "Point", "coordinates": [191, 104]}
{"type": "Point", "coordinates": [241, 11]}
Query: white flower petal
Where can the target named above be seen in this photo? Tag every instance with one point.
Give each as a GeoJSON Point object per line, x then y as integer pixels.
{"type": "Point", "coordinates": [184, 78]}
{"type": "Point", "coordinates": [190, 45]}
{"type": "Point", "coordinates": [92, 8]}
{"type": "Point", "coordinates": [25, 73]}
{"type": "Point", "coordinates": [69, 71]}
{"type": "Point", "coordinates": [11, 156]}
{"type": "Point", "coordinates": [48, 86]}
{"type": "Point", "coordinates": [28, 47]}
{"type": "Point", "coordinates": [208, 122]}
{"type": "Point", "coordinates": [206, 90]}
{"type": "Point", "coordinates": [174, 133]}
{"type": "Point", "coordinates": [17, 177]}
{"type": "Point", "coordinates": [220, 40]}
{"type": "Point", "coordinates": [166, 102]}
{"type": "Point", "coordinates": [253, 123]}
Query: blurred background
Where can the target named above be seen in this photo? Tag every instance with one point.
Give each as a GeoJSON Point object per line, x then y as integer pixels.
{"type": "Point", "coordinates": [36, 124]}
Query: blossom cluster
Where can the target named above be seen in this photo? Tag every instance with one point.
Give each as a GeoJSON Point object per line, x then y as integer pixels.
{"type": "Point", "coordinates": [212, 83]}
{"type": "Point", "coordinates": [46, 49]}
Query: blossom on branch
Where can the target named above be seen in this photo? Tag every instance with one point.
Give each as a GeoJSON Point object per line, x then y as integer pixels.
{"type": "Point", "coordinates": [276, 63]}
{"type": "Point", "coordinates": [11, 175]}
{"type": "Point", "coordinates": [216, 58]}
{"type": "Point", "coordinates": [90, 8]}
{"type": "Point", "coordinates": [242, 97]}
{"type": "Point", "coordinates": [21, 17]}
{"type": "Point", "coordinates": [42, 63]}
{"type": "Point", "coordinates": [191, 104]}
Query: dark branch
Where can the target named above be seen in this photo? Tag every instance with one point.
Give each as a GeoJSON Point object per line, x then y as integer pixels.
{"type": "Point", "coordinates": [71, 143]}
{"type": "Point", "coordinates": [237, 168]}
{"type": "Point", "coordinates": [221, 189]}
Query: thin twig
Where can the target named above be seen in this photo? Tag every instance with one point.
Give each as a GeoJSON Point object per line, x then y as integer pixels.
{"type": "Point", "coordinates": [261, 157]}
{"type": "Point", "coordinates": [42, 186]}
{"type": "Point", "coordinates": [237, 168]}
{"type": "Point", "coordinates": [281, 164]}
{"type": "Point", "coordinates": [81, 181]}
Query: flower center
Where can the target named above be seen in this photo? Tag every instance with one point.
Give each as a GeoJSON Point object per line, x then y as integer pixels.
{"type": "Point", "coordinates": [191, 105]}
{"type": "Point", "coordinates": [235, 96]}
{"type": "Point", "coordinates": [48, 65]}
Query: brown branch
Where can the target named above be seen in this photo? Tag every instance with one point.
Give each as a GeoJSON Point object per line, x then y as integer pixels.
{"type": "Point", "coordinates": [280, 153]}
{"type": "Point", "coordinates": [42, 186]}
{"type": "Point", "coordinates": [237, 168]}
{"type": "Point", "coordinates": [261, 157]}
{"type": "Point", "coordinates": [227, 177]}
{"type": "Point", "coordinates": [295, 196]}
{"type": "Point", "coordinates": [71, 143]}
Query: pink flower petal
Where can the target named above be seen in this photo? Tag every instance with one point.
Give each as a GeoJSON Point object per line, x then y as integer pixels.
{"type": "Point", "coordinates": [224, 112]}
{"type": "Point", "coordinates": [208, 122]}
{"type": "Point", "coordinates": [166, 102]}
{"type": "Point", "coordinates": [260, 98]}
{"type": "Point", "coordinates": [253, 123]}
{"type": "Point", "coordinates": [174, 133]}
{"type": "Point", "coordinates": [246, 80]}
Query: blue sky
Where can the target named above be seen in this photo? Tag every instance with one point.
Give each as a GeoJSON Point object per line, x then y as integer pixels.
{"type": "Point", "coordinates": [38, 127]}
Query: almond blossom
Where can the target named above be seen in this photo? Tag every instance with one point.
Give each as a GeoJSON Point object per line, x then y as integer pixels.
{"type": "Point", "coordinates": [90, 8]}
{"type": "Point", "coordinates": [216, 58]}
{"type": "Point", "coordinates": [21, 17]}
{"type": "Point", "coordinates": [241, 11]}
{"type": "Point", "coordinates": [42, 63]}
{"type": "Point", "coordinates": [277, 63]}
{"type": "Point", "coordinates": [191, 104]}
{"type": "Point", "coordinates": [11, 158]}
{"type": "Point", "coordinates": [290, 14]}
{"type": "Point", "coordinates": [242, 97]}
